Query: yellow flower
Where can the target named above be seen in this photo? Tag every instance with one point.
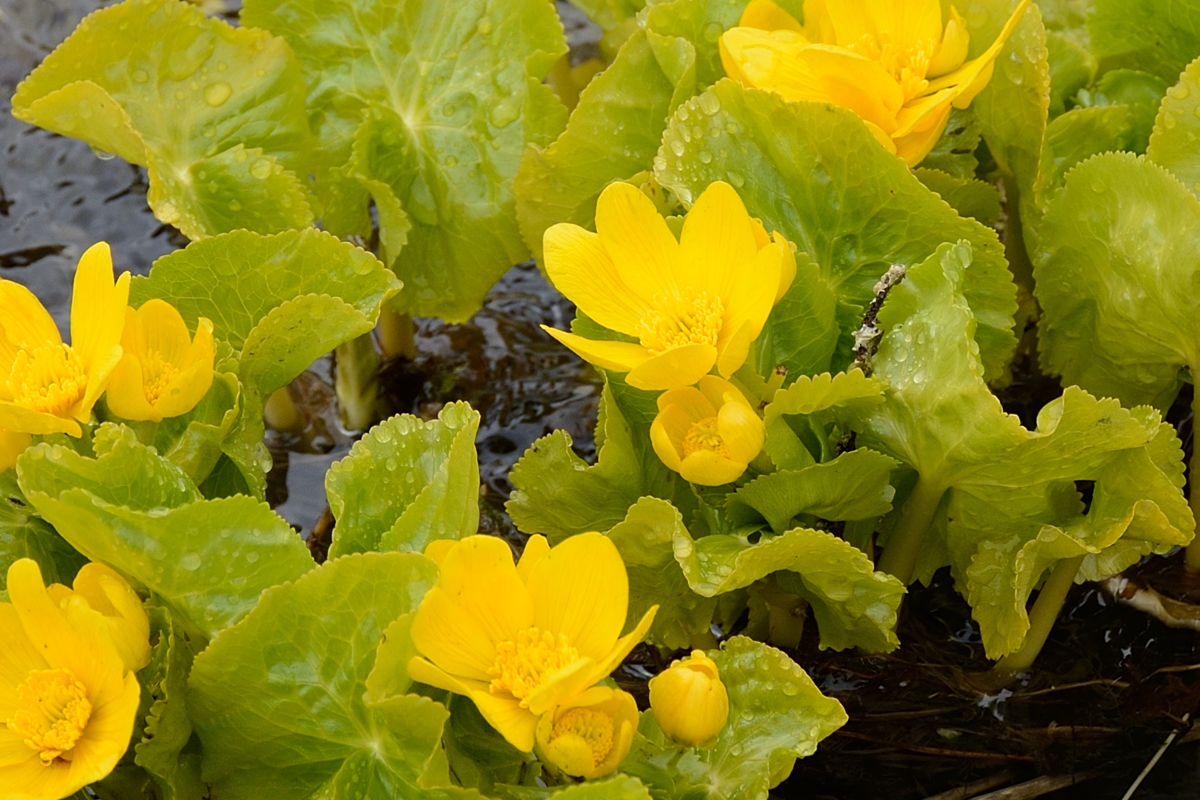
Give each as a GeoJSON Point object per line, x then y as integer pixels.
{"type": "Point", "coordinates": [523, 639]}
{"type": "Point", "coordinates": [67, 699]}
{"type": "Point", "coordinates": [890, 61]}
{"type": "Point", "coordinates": [164, 372]}
{"type": "Point", "coordinates": [689, 701]}
{"type": "Point", "coordinates": [103, 590]}
{"type": "Point", "coordinates": [692, 304]}
{"type": "Point", "coordinates": [47, 386]}
{"type": "Point", "coordinates": [12, 445]}
{"type": "Point", "coordinates": [589, 737]}
{"type": "Point", "coordinates": [707, 434]}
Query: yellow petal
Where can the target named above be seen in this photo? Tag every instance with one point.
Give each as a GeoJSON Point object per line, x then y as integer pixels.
{"type": "Point", "coordinates": [18, 418]}
{"type": "Point", "coordinates": [638, 241]}
{"type": "Point", "coordinates": [736, 349]}
{"type": "Point", "coordinates": [18, 657]}
{"type": "Point", "coordinates": [97, 306]}
{"type": "Point", "coordinates": [479, 600]}
{"type": "Point", "coordinates": [99, 374]}
{"type": "Point", "coordinates": [785, 63]}
{"type": "Point", "coordinates": [707, 468]}
{"type": "Point", "coordinates": [907, 23]}
{"type": "Point", "coordinates": [561, 685]}
{"type": "Point", "coordinates": [25, 323]}
{"type": "Point", "coordinates": [665, 443]}
{"type": "Point", "coordinates": [502, 711]}
{"type": "Point", "coordinates": [718, 391]}
{"type": "Point", "coordinates": [580, 590]}
{"type": "Point", "coordinates": [127, 392]}
{"type": "Point", "coordinates": [165, 331]}
{"type": "Point", "coordinates": [766, 15]}
{"type": "Point", "coordinates": [436, 550]}
{"type": "Point", "coordinates": [535, 550]}
{"type": "Point", "coordinates": [964, 82]}
{"type": "Point", "coordinates": [617, 356]}
{"type": "Point", "coordinates": [692, 401]}
{"type": "Point", "coordinates": [108, 593]}
{"type": "Point", "coordinates": [741, 430]}
{"type": "Point", "coordinates": [621, 649]}
{"type": "Point", "coordinates": [679, 366]}
{"type": "Point", "coordinates": [818, 27]}
{"type": "Point", "coordinates": [189, 386]}
{"type": "Point", "coordinates": [11, 446]}
{"type": "Point", "coordinates": [914, 147]}
{"type": "Point", "coordinates": [787, 265]}
{"type": "Point", "coordinates": [579, 266]}
{"type": "Point", "coordinates": [717, 240]}
{"type": "Point", "coordinates": [953, 50]}
{"type": "Point", "coordinates": [881, 136]}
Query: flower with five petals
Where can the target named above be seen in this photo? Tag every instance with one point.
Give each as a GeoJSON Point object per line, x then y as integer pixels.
{"type": "Point", "coordinates": [522, 639]}
{"type": "Point", "coordinates": [892, 62]}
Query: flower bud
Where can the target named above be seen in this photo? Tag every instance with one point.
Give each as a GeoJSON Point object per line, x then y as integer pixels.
{"type": "Point", "coordinates": [589, 736]}
{"type": "Point", "coordinates": [689, 701]}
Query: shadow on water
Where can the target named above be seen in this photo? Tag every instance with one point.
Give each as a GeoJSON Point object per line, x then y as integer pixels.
{"type": "Point", "coordinates": [1112, 683]}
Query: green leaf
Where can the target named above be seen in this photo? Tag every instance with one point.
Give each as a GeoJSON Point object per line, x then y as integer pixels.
{"type": "Point", "coordinates": [407, 483]}
{"type": "Point", "coordinates": [1140, 92]}
{"type": "Point", "coordinates": [1072, 67]}
{"type": "Point", "coordinates": [613, 133]}
{"type": "Point", "coordinates": [1136, 509]}
{"type": "Point", "coordinates": [23, 534]}
{"type": "Point", "coordinates": [1117, 276]}
{"type": "Point", "coordinates": [279, 700]}
{"type": "Point", "coordinates": [645, 539]}
{"type": "Point", "coordinates": [1075, 137]}
{"type": "Point", "coordinates": [776, 715]}
{"type": "Point", "coordinates": [854, 605]}
{"type": "Point", "coordinates": [802, 331]}
{"type": "Point", "coordinates": [618, 787]}
{"type": "Point", "coordinates": [968, 196]}
{"type": "Point", "coordinates": [430, 114]}
{"type": "Point", "coordinates": [815, 173]}
{"type": "Point", "coordinates": [215, 113]}
{"type": "Point", "coordinates": [954, 152]}
{"type": "Point", "coordinates": [208, 560]}
{"type": "Point", "coordinates": [804, 421]}
{"type": "Point", "coordinates": [1172, 144]}
{"type": "Point", "coordinates": [556, 493]}
{"type": "Point", "coordinates": [480, 758]}
{"type": "Point", "coordinates": [853, 486]}
{"type": "Point", "coordinates": [167, 728]}
{"type": "Point", "coordinates": [1148, 35]}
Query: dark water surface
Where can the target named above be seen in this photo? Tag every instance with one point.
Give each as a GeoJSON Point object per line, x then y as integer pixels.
{"type": "Point", "coordinates": [1111, 685]}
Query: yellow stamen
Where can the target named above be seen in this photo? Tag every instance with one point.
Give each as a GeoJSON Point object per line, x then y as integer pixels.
{"type": "Point", "coordinates": [50, 379]}
{"type": "Point", "coordinates": [521, 666]}
{"type": "Point", "coordinates": [157, 372]}
{"type": "Point", "coordinates": [55, 713]}
{"type": "Point", "coordinates": [679, 321]}
{"type": "Point", "coordinates": [907, 63]}
{"type": "Point", "coordinates": [593, 727]}
{"type": "Point", "coordinates": [703, 436]}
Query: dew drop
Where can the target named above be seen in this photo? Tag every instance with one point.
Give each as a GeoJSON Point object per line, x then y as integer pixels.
{"type": "Point", "coordinates": [215, 94]}
{"type": "Point", "coordinates": [210, 131]}
{"type": "Point", "coordinates": [251, 557]}
{"type": "Point", "coordinates": [190, 561]}
{"type": "Point", "coordinates": [705, 157]}
{"type": "Point", "coordinates": [102, 155]}
{"type": "Point", "coordinates": [261, 168]}
{"type": "Point", "coordinates": [450, 161]}
{"type": "Point", "coordinates": [1179, 91]}
{"type": "Point", "coordinates": [736, 179]}
{"type": "Point", "coordinates": [234, 205]}
{"type": "Point", "coordinates": [485, 26]}
{"type": "Point", "coordinates": [140, 76]}
{"type": "Point", "coordinates": [1168, 119]}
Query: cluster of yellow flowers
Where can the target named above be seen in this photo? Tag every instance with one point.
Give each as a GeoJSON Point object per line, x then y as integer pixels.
{"type": "Point", "coordinates": [68, 689]}
{"type": "Point", "coordinates": [530, 643]}
{"type": "Point", "coordinates": [692, 304]}
{"type": "Point", "coordinates": [145, 358]}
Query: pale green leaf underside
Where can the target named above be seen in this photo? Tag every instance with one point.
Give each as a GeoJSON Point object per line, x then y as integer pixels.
{"type": "Point", "coordinates": [815, 173]}
{"type": "Point", "coordinates": [215, 113]}
{"type": "Point", "coordinates": [278, 701]}
{"type": "Point", "coordinates": [776, 715]}
{"type": "Point", "coordinates": [430, 112]}
{"type": "Point", "coordinates": [407, 483]}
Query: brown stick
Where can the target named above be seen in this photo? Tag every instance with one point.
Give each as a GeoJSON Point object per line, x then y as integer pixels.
{"type": "Point", "coordinates": [1039, 786]}
{"type": "Point", "coordinates": [972, 789]}
{"type": "Point", "coordinates": [949, 752]}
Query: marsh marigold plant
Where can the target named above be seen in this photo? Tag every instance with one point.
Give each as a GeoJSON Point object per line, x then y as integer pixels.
{"type": "Point", "coordinates": [521, 640]}
{"type": "Point", "coordinates": [589, 735]}
{"type": "Point", "coordinates": [164, 371]}
{"type": "Point", "coordinates": [708, 434]}
{"type": "Point", "coordinates": [47, 386]}
{"type": "Point", "coordinates": [691, 304]}
{"type": "Point", "coordinates": [68, 694]}
{"type": "Point", "coordinates": [892, 62]}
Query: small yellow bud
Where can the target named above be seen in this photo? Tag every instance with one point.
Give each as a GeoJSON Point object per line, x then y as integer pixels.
{"type": "Point", "coordinates": [689, 701]}
{"type": "Point", "coordinates": [589, 736]}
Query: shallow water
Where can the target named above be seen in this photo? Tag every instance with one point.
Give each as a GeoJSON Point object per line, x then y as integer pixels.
{"type": "Point", "coordinates": [917, 726]}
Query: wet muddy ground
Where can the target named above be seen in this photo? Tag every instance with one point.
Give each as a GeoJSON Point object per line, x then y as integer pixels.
{"type": "Point", "coordinates": [1111, 686]}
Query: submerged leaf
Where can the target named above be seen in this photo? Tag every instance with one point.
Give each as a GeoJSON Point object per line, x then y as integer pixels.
{"type": "Point", "coordinates": [215, 113]}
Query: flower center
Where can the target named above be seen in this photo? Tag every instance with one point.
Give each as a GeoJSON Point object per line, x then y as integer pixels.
{"type": "Point", "coordinates": [593, 727]}
{"type": "Point", "coordinates": [50, 379]}
{"type": "Point", "coordinates": [703, 436]}
{"type": "Point", "coordinates": [907, 63]}
{"type": "Point", "coordinates": [521, 666]}
{"type": "Point", "coordinates": [55, 711]}
{"type": "Point", "coordinates": [157, 372]}
{"type": "Point", "coordinates": [679, 321]}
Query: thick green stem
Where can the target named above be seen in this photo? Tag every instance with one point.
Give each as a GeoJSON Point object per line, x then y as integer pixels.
{"type": "Point", "coordinates": [900, 555]}
{"type": "Point", "coordinates": [1192, 554]}
{"type": "Point", "coordinates": [355, 383]}
{"type": "Point", "coordinates": [1041, 617]}
{"type": "Point", "coordinates": [397, 334]}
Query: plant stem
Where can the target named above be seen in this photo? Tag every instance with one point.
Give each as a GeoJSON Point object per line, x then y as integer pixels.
{"type": "Point", "coordinates": [1042, 617]}
{"type": "Point", "coordinates": [900, 555]}
{"type": "Point", "coordinates": [1192, 554]}
{"type": "Point", "coordinates": [396, 334]}
{"type": "Point", "coordinates": [147, 430]}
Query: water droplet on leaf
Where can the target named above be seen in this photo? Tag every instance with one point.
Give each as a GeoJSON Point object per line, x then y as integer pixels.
{"type": "Point", "coordinates": [215, 94]}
